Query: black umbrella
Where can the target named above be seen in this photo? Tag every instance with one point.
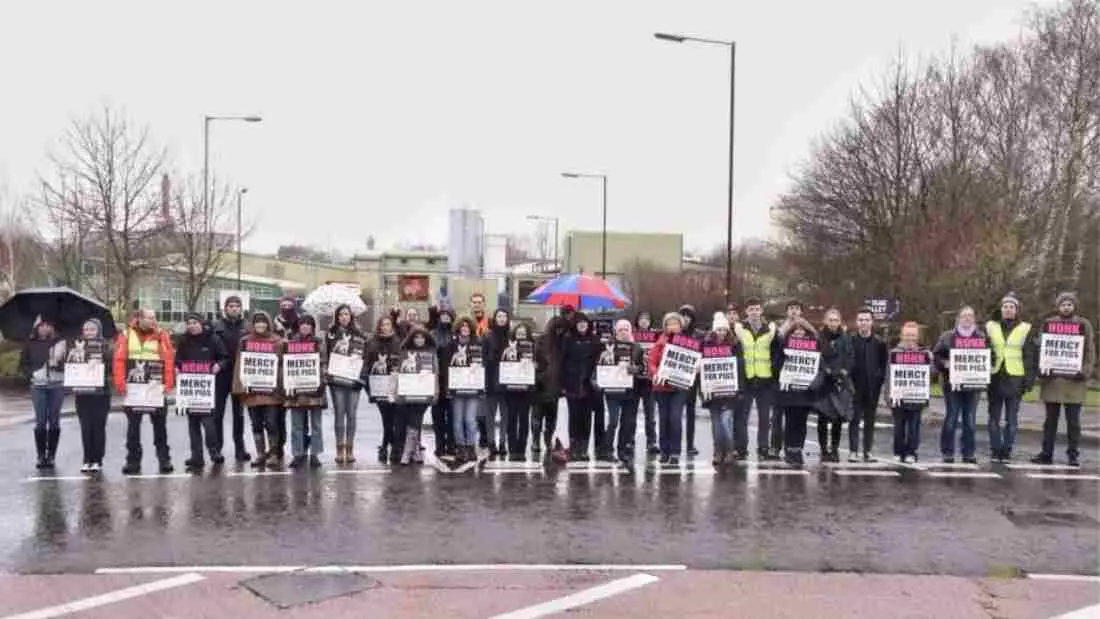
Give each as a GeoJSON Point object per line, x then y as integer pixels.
{"type": "Point", "coordinates": [65, 307]}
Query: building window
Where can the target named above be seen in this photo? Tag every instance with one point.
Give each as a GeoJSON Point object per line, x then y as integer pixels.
{"type": "Point", "coordinates": [165, 306]}
{"type": "Point", "coordinates": [404, 261]}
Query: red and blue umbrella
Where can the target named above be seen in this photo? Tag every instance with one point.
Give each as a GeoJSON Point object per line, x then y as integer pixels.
{"type": "Point", "coordinates": [584, 292]}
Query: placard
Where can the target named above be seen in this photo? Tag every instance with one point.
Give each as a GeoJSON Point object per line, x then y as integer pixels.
{"type": "Point", "coordinates": [419, 387]}
{"type": "Point", "coordinates": [1061, 348]}
{"type": "Point", "coordinates": [259, 371]}
{"type": "Point", "coordinates": [680, 361]}
{"type": "Point", "coordinates": [345, 368]}
{"type": "Point", "coordinates": [718, 372]}
{"type": "Point", "coordinates": [85, 377]}
{"type": "Point", "coordinates": [516, 373]}
{"type": "Point", "coordinates": [466, 380]}
{"type": "Point", "coordinates": [801, 362]}
{"type": "Point", "coordinates": [614, 378]}
{"type": "Point", "coordinates": [646, 337]}
{"type": "Point", "coordinates": [969, 368]}
{"type": "Point", "coordinates": [301, 371]}
{"type": "Point", "coordinates": [910, 378]}
{"type": "Point", "coordinates": [382, 387]}
{"type": "Point", "coordinates": [195, 388]}
{"type": "Point", "coordinates": [144, 385]}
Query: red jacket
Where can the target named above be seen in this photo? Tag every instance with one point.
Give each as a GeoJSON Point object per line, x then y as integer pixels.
{"type": "Point", "coordinates": [165, 350]}
{"type": "Point", "coordinates": [654, 360]}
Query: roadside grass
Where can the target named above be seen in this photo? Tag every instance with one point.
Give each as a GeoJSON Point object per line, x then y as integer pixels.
{"type": "Point", "coordinates": [1092, 400]}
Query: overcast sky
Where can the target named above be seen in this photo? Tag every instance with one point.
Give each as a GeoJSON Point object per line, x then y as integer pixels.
{"type": "Point", "coordinates": [379, 116]}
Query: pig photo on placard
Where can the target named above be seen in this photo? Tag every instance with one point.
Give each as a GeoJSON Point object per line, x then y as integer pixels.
{"type": "Point", "coordinates": [416, 370]}
{"type": "Point", "coordinates": [144, 385]}
{"type": "Point", "coordinates": [613, 367]}
{"type": "Point", "coordinates": [346, 356]}
{"type": "Point", "coordinates": [86, 366]}
{"type": "Point", "coordinates": [466, 372]}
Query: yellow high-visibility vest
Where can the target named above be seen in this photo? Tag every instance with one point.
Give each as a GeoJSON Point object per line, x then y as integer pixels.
{"type": "Point", "coordinates": [757, 352]}
{"type": "Point", "coordinates": [142, 350]}
{"type": "Point", "coordinates": [1009, 352]}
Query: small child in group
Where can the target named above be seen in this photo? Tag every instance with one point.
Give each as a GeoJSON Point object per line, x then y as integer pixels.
{"type": "Point", "coordinates": [907, 412]}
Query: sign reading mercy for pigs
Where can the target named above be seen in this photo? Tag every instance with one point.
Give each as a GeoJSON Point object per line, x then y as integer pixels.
{"type": "Point", "coordinates": [301, 367]}
{"type": "Point", "coordinates": [680, 362]}
{"type": "Point", "coordinates": [910, 377]}
{"type": "Point", "coordinates": [969, 363]}
{"type": "Point", "coordinates": [718, 373]}
{"type": "Point", "coordinates": [195, 388]}
{"type": "Point", "coordinates": [801, 360]}
{"type": "Point", "coordinates": [1061, 348]}
{"type": "Point", "coordinates": [258, 369]}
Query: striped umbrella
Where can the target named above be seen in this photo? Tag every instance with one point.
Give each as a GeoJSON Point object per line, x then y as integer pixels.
{"type": "Point", "coordinates": [584, 292]}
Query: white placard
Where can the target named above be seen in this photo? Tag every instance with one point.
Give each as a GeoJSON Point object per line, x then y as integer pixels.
{"type": "Point", "coordinates": [679, 366]}
{"type": "Point", "coordinates": [969, 368]}
{"type": "Point", "coordinates": [466, 379]}
{"type": "Point", "coordinates": [718, 376]}
{"type": "Point", "coordinates": [614, 377]}
{"type": "Point", "coordinates": [301, 372]}
{"type": "Point", "coordinates": [910, 383]}
{"type": "Point", "coordinates": [1061, 354]}
{"type": "Point", "coordinates": [82, 376]}
{"type": "Point", "coordinates": [195, 393]}
{"type": "Point", "coordinates": [345, 367]}
{"type": "Point", "coordinates": [420, 385]}
{"type": "Point", "coordinates": [259, 371]}
{"type": "Point", "coordinates": [144, 395]}
{"type": "Point", "coordinates": [383, 387]}
{"type": "Point", "coordinates": [520, 373]}
{"type": "Point", "coordinates": [799, 369]}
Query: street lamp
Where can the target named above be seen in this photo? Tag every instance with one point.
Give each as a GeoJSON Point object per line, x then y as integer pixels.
{"type": "Point", "coordinates": [732, 45]}
{"type": "Point", "coordinates": [240, 210]}
{"type": "Point", "coordinates": [555, 221]}
{"type": "Point", "coordinates": [206, 154]}
{"type": "Point", "coordinates": [603, 242]}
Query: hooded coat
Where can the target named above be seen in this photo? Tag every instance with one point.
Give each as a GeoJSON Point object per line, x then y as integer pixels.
{"type": "Point", "coordinates": [714, 339]}
{"type": "Point", "coordinates": [1071, 390]}
{"type": "Point", "coordinates": [43, 360]}
{"type": "Point", "coordinates": [257, 399]}
{"type": "Point", "coordinates": [579, 356]}
{"type": "Point", "coordinates": [442, 333]}
{"type": "Point", "coordinates": [230, 331]}
{"type": "Point", "coordinates": [493, 343]}
{"type": "Point", "coordinates": [315, 399]}
{"type": "Point", "coordinates": [285, 322]}
{"type": "Point", "coordinates": [548, 360]}
{"type": "Point", "coordinates": [381, 345]}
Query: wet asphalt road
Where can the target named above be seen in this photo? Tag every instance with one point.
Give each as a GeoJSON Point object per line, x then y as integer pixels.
{"type": "Point", "coordinates": [740, 518]}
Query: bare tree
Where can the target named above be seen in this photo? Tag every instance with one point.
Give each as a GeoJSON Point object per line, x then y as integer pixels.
{"type": "Point", "coordinates": [102, 199]}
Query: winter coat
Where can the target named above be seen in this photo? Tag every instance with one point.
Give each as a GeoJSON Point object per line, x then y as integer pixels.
{"type": "Point", "coordinates": [356, 343]}
{"type": "Point", "coordinates": [285, 324]}
{"type": "Point", "coordinates": [918, 349]}
{"type": "Point", "coordinates": [870, 360]}
{"type": "Point", "coordinates": [548, 362]}
{"type": "Point", "coordinates": [230, 333]}
{"type": "Point", "coordinates": [493, 344]}
{"type": "Point", "coordinates": [43, 361]}
{"type": "Point", "coordinates": [578, 362]}
{"type": "Point", "coordinates": [837, 359]}
{"type": "Point", "coordinates": [792, 398]}
{"type": "Point", "coordinates": [443, 335]}
{"type": "Point", "coordinates": [1009, 387]}
{"type": "Point", "coordinates": [122, 353]}
{"type": "Point", "coordinates": [316, 399]}
{"type": "Point", "coordinates": [941, 352]}
{"type": "Point", "coordinates": [251, 399]}
{"type": "Point", "coordinates": [1071, 390]}
{"type": "Point", "coordinates": [202, 347]}
{"type": "Point", "coordinates": [713, 340]}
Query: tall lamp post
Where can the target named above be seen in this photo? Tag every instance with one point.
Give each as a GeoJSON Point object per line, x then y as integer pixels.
{"type": "Point", "coordinates": [732, 45]}
{"type": "Point", "coordinates": [553, 220]}
{"type": "Point", "coordinates": [603, 242]}
{"type": "Point", "coordinates": [240, 211]}
{"type": "Point", "coordinates": [206, 154]}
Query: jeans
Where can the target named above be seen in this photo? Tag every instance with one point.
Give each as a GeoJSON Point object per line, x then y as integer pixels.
{"type": "Point", "coordinates": [298, 420]}
{"type": "Point", "coordinates": [1073, 428]}
{"type": "Point", "coordinates": [763, 394]}
{"type": "Point", "coordinates": [91, 410]}
{"type": "Point", "coordinates": [906, 431]}
{"type": "Point", "coordinates": [464, 412]}
{"type": "Point", "coordinates": [961, 406]}
{"type": "Point", "coordinates": [222, 388]}
{"type": "Point", "coordinates": [670, 410]}
{"type": "Point", "coordinates": [1002, 439]}
{"type": "Point", "coordinates": [409, 418]}
{"type": "Point", "coordinates": [828, 433]}
{"type": "Point", "coordinates": [197, 425]}
{"type": "Point", "coordinates": [47, 401]}
{"type": "Point", "coordinates": [544, 421]}
{"type": "Point", "coordinates": [345, 403]}
{"type": "Point", "coordinates": [441, 424]}
{"type": "Point", "coordinates": [721, 426]}
{"type": "Point", "coordinates": [517, 420]}
{"type": "Point", "coordinates": [795, 418]}
{"type": "Point", "coordinates": [265, 421]}
{"type": "Point", "coordinates": [159, 420]}
{"type": "Point", "coordinates": [622, 415]}
{"type": "Point", "coordinates": [388, 412]}
{"type": "Point", "coordinates": [865, 405]}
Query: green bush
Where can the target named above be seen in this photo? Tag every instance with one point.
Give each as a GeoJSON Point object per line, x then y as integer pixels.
{"type": "Point", "coordinates": [9, 361]}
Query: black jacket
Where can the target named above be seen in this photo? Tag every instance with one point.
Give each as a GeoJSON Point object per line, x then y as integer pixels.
{"type": "Point", "coordinates": [578, 359]}
{"type": "Point", "coordinates": [493, 344]}
{"type": "Point", "coordinates": [36, 355]}
{"type": "Point", "coordinates": [230, 333]}
{"type": "Point", "coordinates": [202, 347]}
{"type": "Point", "coordinates": [837, 361]}
{"type": "Point", "coordinates": [869, 365]}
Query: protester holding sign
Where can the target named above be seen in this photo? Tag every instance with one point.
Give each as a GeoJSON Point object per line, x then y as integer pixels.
{"type": "Point", "coordinates": [909, 391]}
{"type": "Point", "coordinates": [200, 356]}
{"type": "Point", "coordinates": [620, 361]}
{"type": "Point", "coordinates": [797, 359]}
{"type": "Point", "coordinates": [548, 374]}
{"type": "Point", "coordinates": [143, 371]}
{"type": "Point", "coordinates": [466, 378]}
{"type": "Point", "coordinates": [345, 347]}
{"type": "Point", "coordinates": [257, 383]}
{"type": "Point", "coordinates": [1015, 365]}
{"type": "Point", "coordinates": [441, 324]}
{"type": "Point", "coordinates": [416, 389]}
{"type": "Point", "coordinates": [871, 358]}
{"type": "Point", "coordinates": [42, 363]}
{"type": "Point", "coordinates": [722, 374]}
{"type": "Point", "coordinates": [580, 350]}
{"type": "Point", "coordinates": [517, 398]}
{"type": "Point", "coordinates": [86, 375]}
{"type": "Point", "coordinates": [693, 330]}
{"type": "Point", "coordinates": [834, 404]}
{"type": "Point", "coordinates": [494, 342]}
{"type": "Point", "coordinates": [381, 367]}
{"type": "Point", "coordinates": [646, 335]}
{"type": "Point", "coordinates": [230, 328]}
{"type": "Point", "coordinates": [964, 358]}
{"type": "Point", "coordinates": [1069, 350]}
{"type": "Point", "coordinates": [756, 338]}
{"type": "Point", "coordinates": [305, 354]}
{"type": "Point", "coordinates": [673, 363]}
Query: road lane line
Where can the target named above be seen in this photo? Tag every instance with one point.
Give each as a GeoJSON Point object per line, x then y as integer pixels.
{"type": "Point", "coordinates": [1041, 467]}
{"type": "Point", "coordinates": [109, 598]}
{"type": "Point", "coordinates": [963, 474]}
{"type": "Point", "coordinates": [949, 466]}
{"type": "Point", "coordinates": [858, 466]}
{"type": "Point", "coordinates": [581, 598]}
{"type": "Point", "coordinates": [205, 569]}
{"type": "Point", "coordinates": [161, 476]}
{"type": "Point", "coordinates": [780, 472]}
{"type": "Point", "coordinates": [701, 472]}
{"type": "Point", "coordinates": [358, 472]}
{"type": "Point", "coordinates": [1063, 476]}
{"type": "Point", "coordinates": [458, 567]}
{"type": "Point", "coordinates": [1089, 612]}
{"type": "Point", "coordinates": [259, 474]}
{"type": "Point", "coordinates": [866, 473]}
{"type": "Point", "coordinates": [31, 480]}
{"type": "Point", "coordinates": [1065, 577]}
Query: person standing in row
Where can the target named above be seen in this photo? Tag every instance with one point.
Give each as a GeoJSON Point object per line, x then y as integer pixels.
{"type": "Point", "coordinates": [466, 351]}
{"type": "Point", "coordinates": [729, 420]}
{"type": "Point", "coordinates": [517, 398]}
{"type": "Point", "coordinates": [868, 373]}
{"type": "Point", "coordinates": [671, 400]}
{"type": "Point", "coordinates": [622, 405]}
{"type": "Point", "coordinates": [306, 407]}
{"type": "Point", "coordinates": [494, 343]}
{"type": "Point", "coordinates": [1066, 390]}
{"type": "Point", "coordinates": [960, 398]}
{"type": "Point", "coordinates": [797, 400]}
{"type": "Point", "coordinates": [265, 407]}
{"type": "Point", "coordinates": [793, 314]}
{"type": "Point", "coordinates": [381, 360]}
{"type": "Point", "coordinates": [230, 328]}
{"type": "Point", "coordinates": [756, 337]}
{"type": "Point", "coordinates": [1015, 364]}
{"type": "Point", "coordinates": [835, 403]}
{"type": "Point", "coordinates": [345, 348]}
{"type": "Point", "coordinates": [441, 325]}
{"type": "Point", "coordinates": [907, 413]}
{"type": "Point", "coordinates": [643, 382]}
{"type": "Point", "coordinates": [143, 352]}
{"type": "Point", "coordinates": [691, 329]}
{"type": "Point", "coordinates": [202, 351]}
{"type": "Point", "coordinates": [285, 323]}
{"type": "Point", "coordinates": [580, 349]}
{"type": "Point", "coordinates": [548, 385]}
{"type": "Point", "coordinates": [43, 365]}
{"type": "Point", "coordinates": [411, 413]}
{"type": "Point", "coordinates": [93, 403]}
{"type": "Point", "coordinates": [477, 311]}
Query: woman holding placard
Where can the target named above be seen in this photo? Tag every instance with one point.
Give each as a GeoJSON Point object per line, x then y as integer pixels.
{"type": "Point", "coordinates": [495, 342]}
{"type": "Point", "coordinates": [43, 365]}
{"type": "Point", "coordinates": [964, 358]}
{"type": "Point", "coordinates": [200, 356]}
{"type": "Point", "coordinates": [547, 382]}
{"type": "Point", "coordinates": [257, 383]}
{"type": "Point", "coordinates": [304, 361]}
{"type": "Point", "coordinates": [346, 347]}
{"type": "Point", "coordinates": [620, 361]}
{"type": "Point", "coordinates": [466, 378]}
{"type": "Point", "coordinates": [381, 361]}
{"type": "Point", "coordinates": [908, 390]}
{"type": "Point", "coordinates": [721, 375]}
{"type": "Point", "coordinates": [517, 398]}
{"type": "Point", "coordinates": [417, 388]}
{"type": "Point", "coordinates": [87, 377]}
{"type": "Point", "coordinates": [796, 357]}
{"type": "Point", "coordinates": [673, 363]}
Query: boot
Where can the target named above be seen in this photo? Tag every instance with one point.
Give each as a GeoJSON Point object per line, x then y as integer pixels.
{"type": "Point", "coordinates": [410, 446]}
{"type": "Point", "coordinates": [52, 438]}
{"type": "Point", "coordinates": [418, 454]}
{"type": "Point", "coordinates": [349, 452]}
{"type": "Point", "coordinates": [40, 447]}
{"type": "Point", "coordinates": [340, 449]}
{"type": "Point", "coordinates": [261, 451]}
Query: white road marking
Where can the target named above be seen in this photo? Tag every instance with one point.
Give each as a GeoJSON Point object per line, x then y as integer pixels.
{"type": "Point", "coordinates": [963, 474]}
{"type": "Point", "coordinates": [207, 569]}
{"type": "Point", "coordinates": [878, 424]}
{"type": "Point", "coordinates": [161, 476]}
{"type": "Point", "coordinates": [1065, 577]}
{"type": "Point", "coordinates": [1089, 612]}
{"type": "Point", "coordinates": [491, 567]}
{"type": "Point", "coordinates": [967, 466]}
{"type": "Point", "coordinates": [358, 471]}
{"type": "Point", "coordinates": [1063, 476]}
{"type": "Point", "coordinates": [859, 465]}
{"type": "Point", "coordinates": [259, 474]}
{"type": "Point", "coordinates": [866, 473]}
{"type": "Point", "coordinates": [525, 471]}
{"type": "Point", "coordinates": [581, 598]}
{"type": "Point", "coordinates": [700, 472]}
{"type": "Point", "coordinates": [1041, 467]}
{"type": "Point", "coordinates": [109, 598]}
{"type": "Point", "coordinates": [31, 480]}
{"type": "Point", "coordinates": [781, 472]}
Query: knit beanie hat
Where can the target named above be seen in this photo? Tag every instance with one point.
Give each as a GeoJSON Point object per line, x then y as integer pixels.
{"type": "Point", "coordinates": [1067, 296]}
{"type": "Point", "coordinates": [672, 316]}
{"type": "Point", "coordinates": [192, 316]}
{"type": "Point", "coordinates": [1011, 298]}
{"type": "Point", "coordinates": [233, 299]}
{"type": "Point", "coordinates": [720, 322]}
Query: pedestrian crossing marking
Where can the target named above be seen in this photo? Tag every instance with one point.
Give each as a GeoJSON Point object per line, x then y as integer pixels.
{"type": "Point", "coordinates": [963, 474]}
{"type": "Point", "coordinates": [866, 473]}
{"type": "Point", "coordinates": [258, 473]}
{"type": "Point", "coordinates": [1063, 476]}
{"type": "Point", "coordinates": [782, 472]}
{"type": "Point", "coordinates": [1041, 467]}
{"type": "Point", "coordinates": [31, 480]}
